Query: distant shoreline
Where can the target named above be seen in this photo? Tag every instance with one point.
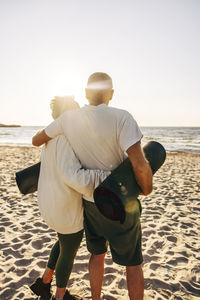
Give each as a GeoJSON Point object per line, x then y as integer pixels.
{"type": "Point", "coordinates": [173, 139]}
{"type": "Point", "coordinates": [4, 125]}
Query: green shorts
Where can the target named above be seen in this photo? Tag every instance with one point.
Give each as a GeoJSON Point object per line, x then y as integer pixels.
{"type": "Point", "coordinates": [124, 239]}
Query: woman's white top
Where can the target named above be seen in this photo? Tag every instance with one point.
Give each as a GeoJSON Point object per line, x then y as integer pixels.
{"type": "Point", "coordinates": [62, 183]}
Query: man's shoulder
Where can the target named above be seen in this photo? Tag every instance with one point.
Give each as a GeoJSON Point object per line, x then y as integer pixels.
{"type": "Point", "coordinates": [118, 112]}
{"type": "Point", "coordinates": [113, 112]}
{"type": "Point", "coordinates": [69, 115]}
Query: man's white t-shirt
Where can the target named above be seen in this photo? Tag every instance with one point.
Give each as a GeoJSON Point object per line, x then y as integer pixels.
{"type": "Point", "coordinates": [99, 135]}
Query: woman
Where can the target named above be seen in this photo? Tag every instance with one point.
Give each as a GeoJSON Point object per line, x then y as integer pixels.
{"type": "Point", "coordinates": [62, 183]}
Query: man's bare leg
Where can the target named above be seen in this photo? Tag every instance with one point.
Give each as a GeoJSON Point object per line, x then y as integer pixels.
{"type": "Point", "coordinates": [96, 273]}
{"type": "Point", "coordinates": [135, 282]}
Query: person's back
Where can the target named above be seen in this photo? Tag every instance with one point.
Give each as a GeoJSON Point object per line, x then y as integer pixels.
{"type": "Point", "coordinates": [97, 134]}
{"type": "Point", "coordinates": [60, 205]}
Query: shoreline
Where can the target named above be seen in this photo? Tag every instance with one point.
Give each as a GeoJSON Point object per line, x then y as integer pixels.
{"type": "Point", "coordinates": [9, 126]}
{"type": "Point", "coordinates": [39, 148]}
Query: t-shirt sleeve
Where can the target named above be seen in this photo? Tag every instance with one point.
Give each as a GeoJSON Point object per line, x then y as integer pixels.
{"type": "Point", "coordinates": [55, 128]}
{"type": "Point", "coordinates": [130, 132]}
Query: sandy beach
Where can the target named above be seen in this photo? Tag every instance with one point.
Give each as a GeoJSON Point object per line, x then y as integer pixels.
{"type": "Point", "coordinates": [170, 225]}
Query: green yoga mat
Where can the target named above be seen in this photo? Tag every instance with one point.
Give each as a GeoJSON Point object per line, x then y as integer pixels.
{"type": "Point", "coordinates": [115, 195]}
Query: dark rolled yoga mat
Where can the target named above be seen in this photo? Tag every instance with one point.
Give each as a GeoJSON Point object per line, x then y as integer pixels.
{"type": "Point", "coordinates": [114, 195]}
{"type": "Point", "coordinates": [27, 179]}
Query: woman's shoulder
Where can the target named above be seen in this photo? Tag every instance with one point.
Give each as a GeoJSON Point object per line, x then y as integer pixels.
{"type": "Point", "coordinates": [61, 139]}
{"type": "Point", "coordinates": [62, 144]}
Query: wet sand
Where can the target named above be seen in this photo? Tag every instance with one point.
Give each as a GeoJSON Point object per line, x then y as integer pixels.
{"type": "Point", "coordinates": [170, 225]}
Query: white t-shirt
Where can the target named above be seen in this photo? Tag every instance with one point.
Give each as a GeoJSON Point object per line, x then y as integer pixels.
{"type": "Point", "coordinates": [99, 135]}
{"type": "Point", "coordinates": [62, 182]}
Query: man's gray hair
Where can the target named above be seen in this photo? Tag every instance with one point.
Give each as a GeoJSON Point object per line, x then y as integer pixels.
{"type": "Point", "coordinates": [99, 81]}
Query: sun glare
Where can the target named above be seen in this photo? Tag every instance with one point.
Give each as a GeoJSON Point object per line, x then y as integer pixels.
{"type": "Point", "coordinates": [66, 83]}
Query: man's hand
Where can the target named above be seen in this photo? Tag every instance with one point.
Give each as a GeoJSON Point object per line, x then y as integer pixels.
{"type": "Point", "coordinates": [40, 138]}
{"type": "Point", "coordinates": [141, 168]}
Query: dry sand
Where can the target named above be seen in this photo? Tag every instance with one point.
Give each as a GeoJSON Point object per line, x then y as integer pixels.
{"type": "Point", "coordinates": [171, 235]}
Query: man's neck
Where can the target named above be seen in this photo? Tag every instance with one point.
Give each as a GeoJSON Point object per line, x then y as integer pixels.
{"type": "Point", "coordinates": [94, 103]}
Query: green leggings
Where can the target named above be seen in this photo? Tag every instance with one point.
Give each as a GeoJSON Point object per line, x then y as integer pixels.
{"type": "Point", "coordinates": [62, 256]}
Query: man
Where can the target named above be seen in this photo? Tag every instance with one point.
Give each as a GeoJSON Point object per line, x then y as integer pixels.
{"type": "Point", "coordinates": [99, 136]}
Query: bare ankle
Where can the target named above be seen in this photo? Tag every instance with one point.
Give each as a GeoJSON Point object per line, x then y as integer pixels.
{"type": "Point", "coordinates": [47, 276]}
{"type": "Point", "coordinates": [46, 280]}
{"type": "Point", "coordinates": [60, 292]}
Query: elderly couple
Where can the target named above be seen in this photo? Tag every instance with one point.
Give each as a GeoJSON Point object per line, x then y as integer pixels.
{"type": "Point", "coordinates": [101, 138]}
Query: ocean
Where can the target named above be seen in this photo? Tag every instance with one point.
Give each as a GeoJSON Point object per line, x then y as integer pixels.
{"type": "Point", "coordinates": [176, 139]}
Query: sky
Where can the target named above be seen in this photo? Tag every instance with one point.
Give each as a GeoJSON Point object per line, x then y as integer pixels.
{"type": "Point", "coordinates": [150, 48]}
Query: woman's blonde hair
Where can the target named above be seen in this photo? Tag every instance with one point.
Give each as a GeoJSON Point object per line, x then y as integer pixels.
{"type": "Point", "coordinates": [61, 104]}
